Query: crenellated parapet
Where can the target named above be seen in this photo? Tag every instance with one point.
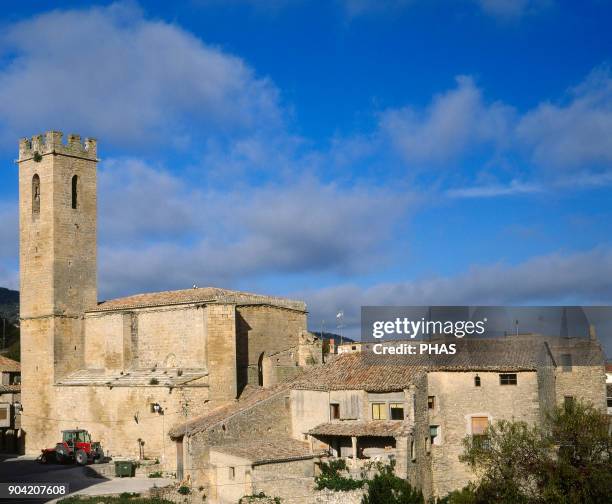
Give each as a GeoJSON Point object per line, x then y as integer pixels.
{"type": "Point", "coordinates": [52, 143]}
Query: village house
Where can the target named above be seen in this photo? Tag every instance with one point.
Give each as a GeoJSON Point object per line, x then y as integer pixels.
{"type": "Point", "coordinates": [10, 406]}
{"type": "Point", "coordinates": [127, 369]}
{"type": "Point", "coordinates": [365, 407]}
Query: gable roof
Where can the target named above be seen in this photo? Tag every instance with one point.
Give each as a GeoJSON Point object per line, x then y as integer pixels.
{"type": "Point", "coordinates": [9, 365]}
{"type": "Point", "coordinates": [196, 295]}
{"type": "Point", "coordinates": [250, 397]}
{"type": "Point", "coordinates": [266, 451]}
{"type": "Point", "coordinates": [385, 373]}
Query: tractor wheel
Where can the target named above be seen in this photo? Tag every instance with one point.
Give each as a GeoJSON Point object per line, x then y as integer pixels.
{"type": "Point", "coordinates": [81, 457]}
{"type": "Point", "coordinates": [44, 458]}
{"type": "Point", "coordinates": [61, 455]}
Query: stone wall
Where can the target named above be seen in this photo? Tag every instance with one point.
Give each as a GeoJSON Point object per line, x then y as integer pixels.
{"type": "Point", "coordinates": [117, 417]}
{"type": "Point", "coordinates": [265, 330]}
{"type": "Point", "coordinates": [457, 399]}
{"type": "Point", "coordinates": [269, 418]}
{"type": "Point", "coordinates": [586, 383]}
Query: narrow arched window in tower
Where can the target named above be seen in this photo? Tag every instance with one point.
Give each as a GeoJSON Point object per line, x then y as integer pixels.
{"type": "Point", "coordinates": [75, 183]}
{"type": "Point", "coordinates": [35, 194]}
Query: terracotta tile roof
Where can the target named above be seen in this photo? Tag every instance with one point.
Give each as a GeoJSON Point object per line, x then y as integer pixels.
{"type": "Point", "coordinates": [375, 428]}
{"type": "Point", "coordinates": [196, 295]}
{"type": "Point", "coordinates": [352, 372]}
{"type": "Point", "coordinates": [250, 397]}
{"type": "Point", "coordinates": [9, 365]}
{"type": "Point", "coordinates": [383, 373]}
{"type": "Point", "coordinates": [265, 451]}
{"type": "Point", "coordinates": [137, 378]}
{"type": "Point", "coordinates": [15, 389]}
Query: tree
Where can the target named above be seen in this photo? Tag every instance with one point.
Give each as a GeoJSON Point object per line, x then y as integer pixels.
{"type": "Point", "coordinates": [568, 461]}
{"type": "Point", "coordinates": [387, 488]}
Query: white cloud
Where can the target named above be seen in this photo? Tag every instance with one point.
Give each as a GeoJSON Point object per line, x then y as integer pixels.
{"type": "Point", "coordinates": [158, 232]}
{"type": "Point", "coordinates": [451, 124]}
{"type": "Point", "coordinates": [515, 187]}
{"type": "Point", "coordinates": [576, 132]}
{"type": "Point", "coordinates": [576, 278]}
{"type": "Point", "coordinates": [110, 72]}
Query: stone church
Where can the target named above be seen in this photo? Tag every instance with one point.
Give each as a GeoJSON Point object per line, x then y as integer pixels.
{"type": "Point", "coordinates": [128, 369]}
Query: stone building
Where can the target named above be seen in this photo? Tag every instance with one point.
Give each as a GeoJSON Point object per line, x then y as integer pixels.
{"type": "Point", "coordinates": [127, 369]}
{"type": "Point", "coordinates": [10, 406]}
{"type": "Point", "coordinates": [371, 406]}
{"type": "Point", "coordinates": [365, 407]}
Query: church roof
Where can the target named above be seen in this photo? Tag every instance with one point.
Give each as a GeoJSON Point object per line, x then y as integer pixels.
{"type": "Point", "coordinates": [196, 295]}
{"type": "Point", "coordinates": [160, 377]}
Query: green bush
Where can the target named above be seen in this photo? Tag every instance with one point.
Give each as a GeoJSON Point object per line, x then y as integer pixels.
{"type": "Point", "coordinates": [184, 490]}
{"type": "Point", "coordinates": [156, 474]}
{"type": "Point", "coordinates": [387, 488]}
{"type": "Point", "coordinates": [254, 497]}
{"type": "Point", "coordinates": [331, 479]}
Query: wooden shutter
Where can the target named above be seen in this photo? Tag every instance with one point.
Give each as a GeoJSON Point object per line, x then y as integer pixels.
{"type": "Point", "coordinates": [479, 425]}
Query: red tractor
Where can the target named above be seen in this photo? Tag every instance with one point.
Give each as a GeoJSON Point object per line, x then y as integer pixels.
{"type": "Point", "coordinates": [76, 446]}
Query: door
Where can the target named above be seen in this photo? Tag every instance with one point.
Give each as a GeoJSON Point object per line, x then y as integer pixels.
{"type": "Point", "coordinates": [179, 459]}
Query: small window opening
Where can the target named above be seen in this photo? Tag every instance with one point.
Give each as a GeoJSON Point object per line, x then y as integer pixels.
{"type": "Point", "coordinates": [434, 434]}
{"type": "Point", "coordinates": [431, 402]}
{"type": "Point", "coordinates": [397, 411]}
{"type": "Point", "coordinates": [75, 183]}
{"type": "Point", "coordinates": [507, 379]}
{"type": "Point", "coordinates": [412, 451]}
{"type": "Point", "coordinates": [232, 472]}
{"type": "Point", "coordinates": [476, 381]}
{"type": "Point", "coordinates": [334, 411]}
{"type": "Point", "coordinates": [35, 194]}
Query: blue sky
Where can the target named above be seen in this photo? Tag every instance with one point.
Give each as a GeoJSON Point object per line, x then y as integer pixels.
{"type": "Point", "coordinates": [345, 152]}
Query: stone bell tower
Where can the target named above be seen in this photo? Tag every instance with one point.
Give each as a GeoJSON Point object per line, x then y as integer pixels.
{"type": "Point", "coordinates": [57, 227]}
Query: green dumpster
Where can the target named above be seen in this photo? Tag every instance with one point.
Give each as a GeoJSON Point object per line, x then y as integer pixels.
{"type": "Point", "coordinates": [125, 468]}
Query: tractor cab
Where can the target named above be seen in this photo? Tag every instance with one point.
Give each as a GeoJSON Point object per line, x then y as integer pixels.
{"type": "Point", "coordinates": [72, 437]}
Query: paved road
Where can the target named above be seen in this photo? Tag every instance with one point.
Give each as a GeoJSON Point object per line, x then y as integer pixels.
{"type": "Point", "coordinates": [79, 479]}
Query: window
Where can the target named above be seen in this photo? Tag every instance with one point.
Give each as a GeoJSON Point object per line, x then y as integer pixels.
{"type": "Point", "coordinates": [431, 402]}
{"type": "Point", "coordinates": [232, 472]}
{"type": "Point", "coordinates": [566, 363]}
{"type": "Point", "coordinates": [476, 381]}
{"type": "Point", "coordinates": [479, 425]}
{"type": "Point", "coordinates": [3, 413]}
{"type": "Point", "coordinates": [568, 401]}
{"type": "Point", "coordinates": [434, 434]}
{"type": "Point", "coordinates": [609, 402]}
{"type": "Point", "coordinates": [412, 451]}
{"type": "Point", "coordinates": [353, 347]}
{"type": "Point", "coordinates": [334, 411]}
{"type": "Point", "coordinates": [75, 182]}
{"type": "Point", "coordinates": [397, 411]}
{"type": "Point", "coordinates": [379, 411]}
{"type": "Point", "coordinates": [35, 195]}
{"type": "Point", "coordinates": [507, 379]}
